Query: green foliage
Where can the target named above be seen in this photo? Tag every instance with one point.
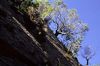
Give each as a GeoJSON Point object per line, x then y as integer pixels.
{"type": "Point", "coordinates": [68, 25]}
{"type": "Point", "coordinates": [46, 11]}
{"type": "Point", "coordinates": [47, 7]}
{"type": "Point", "coordinates": [67, 21]}
{"type": "Point", "coordinates": [40, 1]}
{"type": "Point", "coordinates": [27, 3]}
{"type": "Point", "coordinates": [24, 5]}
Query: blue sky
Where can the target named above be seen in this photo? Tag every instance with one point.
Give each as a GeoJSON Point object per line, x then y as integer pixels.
{"type": "Point", "coordinates": [89, 12]}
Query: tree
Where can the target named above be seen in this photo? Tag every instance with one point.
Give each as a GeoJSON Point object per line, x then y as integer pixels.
{"type": "Point", "coordinates": [68, 24]}
{"type": "Point", "coordinates": [66, 21]}
{"type": "Point", "coordinates": [87, 54]}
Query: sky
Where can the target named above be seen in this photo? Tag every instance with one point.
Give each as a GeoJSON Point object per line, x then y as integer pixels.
{"type": "Point", "coordinates": [89, 12]}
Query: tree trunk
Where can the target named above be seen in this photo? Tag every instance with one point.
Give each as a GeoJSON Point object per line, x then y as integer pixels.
{"type": "Point", "coordinates": [87, 62]}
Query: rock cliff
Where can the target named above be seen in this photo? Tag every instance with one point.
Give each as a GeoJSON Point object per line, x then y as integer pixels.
{"type": "Point", "coordinates": [24, 42]}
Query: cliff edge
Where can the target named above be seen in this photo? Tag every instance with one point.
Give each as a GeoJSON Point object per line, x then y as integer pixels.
{"type": "Point", "coordinates": [25, 42]}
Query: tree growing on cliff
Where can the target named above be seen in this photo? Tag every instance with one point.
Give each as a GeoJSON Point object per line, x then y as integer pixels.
{"type": "Point", "coordinates": [66, 21]}
{"type": "Point", "coordinates": [67, 25]}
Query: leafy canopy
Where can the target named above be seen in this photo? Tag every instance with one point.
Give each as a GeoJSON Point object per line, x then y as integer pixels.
{"type": "Point", "coordinates": [69, 28]}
